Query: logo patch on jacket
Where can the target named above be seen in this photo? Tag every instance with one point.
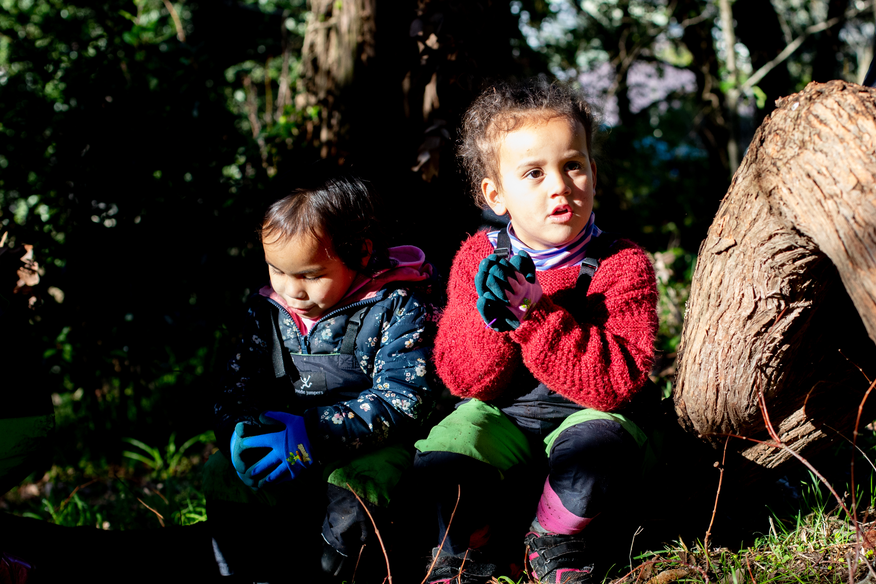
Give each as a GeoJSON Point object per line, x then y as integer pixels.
{"type": "Point", "coordinates": [311, 383]}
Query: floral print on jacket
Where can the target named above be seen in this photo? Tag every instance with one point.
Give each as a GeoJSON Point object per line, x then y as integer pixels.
{"type": "Point", "coordinates": [393, 348]}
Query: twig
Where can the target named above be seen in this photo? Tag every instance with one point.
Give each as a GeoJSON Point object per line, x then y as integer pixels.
{"type": "Point", "coordinates": [639, 530]}
{"type": "Point", "coordinates": [160, 516]}
{"type": "Point", "coordinates": [462, 565]}
{"type": "Point", "coordinates": [637, 568]}
{"type": "Point", "coordinates": [795, 44]}
{"type": "Point", "coordinates": [358, 559]}
{"type": "Point", "coordinates": [163, 498]}
{"type": "Point", "coordinates": [861, 411]}
{"type": "Point", "coordinates": [858, 535]}
{"type": "Point", "coordinates": [376, 531]}
{"type": "Point", "coordinates": [624, 60]}
{"type": "Point", "coordinates": [708, 539]}
{"type": "Point", "coordinates": [750, 573]}
{"type": "Point", "coordinates": [446, 531]}
{"type": "Point", "coordinates": [858, 367]}
{"type": "Point", "coordinates": [180, 33]}
{"type": "Point", "coordinates": [778, 442]}
{"type": "Point", "coordinates": [851, 569]}
{"type": "Point", "coordinates": [70, 496]}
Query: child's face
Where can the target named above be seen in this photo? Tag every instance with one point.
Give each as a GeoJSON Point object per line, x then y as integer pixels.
{"type": "Point", "coordinates": [307, 274]}
{"type": "Point", "coordinates": [546, 181]}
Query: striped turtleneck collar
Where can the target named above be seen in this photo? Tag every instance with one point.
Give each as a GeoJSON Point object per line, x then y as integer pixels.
{"type": "Point", "coordinates": [571, 254]}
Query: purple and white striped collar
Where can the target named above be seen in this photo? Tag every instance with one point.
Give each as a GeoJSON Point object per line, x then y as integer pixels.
{"type": "Point", "coordinates": [571, 254]}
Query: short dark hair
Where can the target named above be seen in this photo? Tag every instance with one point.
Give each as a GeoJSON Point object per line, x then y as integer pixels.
{"type": "Point", "coordinates": [502, 108]}
{"type": "Point", "coordinates": [341, 207]}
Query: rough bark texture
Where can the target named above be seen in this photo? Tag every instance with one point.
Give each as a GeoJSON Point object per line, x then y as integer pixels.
{"type": "Point", "coordinates": [783, 299]}
{"type": "Point", "coordinates": [339, 41]}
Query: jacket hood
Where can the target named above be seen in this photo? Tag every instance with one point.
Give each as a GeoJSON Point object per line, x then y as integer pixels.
{"type": "Point", "coordinates": [407, 264]}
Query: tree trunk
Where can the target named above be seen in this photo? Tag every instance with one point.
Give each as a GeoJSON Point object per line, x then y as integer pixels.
{"type": "Point", "coordinates": [711, 125]}
{"type": "Point", "coordinates": [389, 83]}
{"type": "Point", "coordinates": [783, 299]}
{"type": "Point", "coordinates": [339, 43]}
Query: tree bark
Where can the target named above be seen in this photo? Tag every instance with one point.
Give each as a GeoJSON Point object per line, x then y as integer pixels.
{"type": "Point", "coordinates": [783, 299]}
{"type": "Point", "coordinates": [338, 43]}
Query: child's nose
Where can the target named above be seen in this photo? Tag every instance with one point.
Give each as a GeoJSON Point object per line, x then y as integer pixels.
{"type": "Point", "coordinates": [561, 184]}
{"type": "Point", "coordinates": [296, 290]}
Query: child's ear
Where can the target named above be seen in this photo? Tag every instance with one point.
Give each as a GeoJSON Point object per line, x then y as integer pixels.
{"type": "Point", "coordinates": [367, 250]}
{"type": "Point", "coordinates": [493, 197]}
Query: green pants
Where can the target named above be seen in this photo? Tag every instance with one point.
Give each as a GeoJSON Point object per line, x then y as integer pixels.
{"type": "Point", "coordinates": [481, 431]}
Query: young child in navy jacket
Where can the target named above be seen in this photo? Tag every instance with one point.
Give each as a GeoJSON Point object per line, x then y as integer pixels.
{"type": "Point", "coordinates": [323, 396]}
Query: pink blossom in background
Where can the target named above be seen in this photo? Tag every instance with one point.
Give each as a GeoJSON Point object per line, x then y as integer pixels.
{"type": "Point", "coordinates": [647, 83]}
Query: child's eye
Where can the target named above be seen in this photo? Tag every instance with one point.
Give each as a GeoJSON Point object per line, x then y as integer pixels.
{"type": "Point", "coordinates": [574, 165]}
{"type": "Point", "coordinates": [534, 173]}
{"type": "Point", "coordinates": [312, 278]}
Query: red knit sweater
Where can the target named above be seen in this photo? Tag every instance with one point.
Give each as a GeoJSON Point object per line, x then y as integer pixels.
{"type": "Point", "coordinates": [599, 363]}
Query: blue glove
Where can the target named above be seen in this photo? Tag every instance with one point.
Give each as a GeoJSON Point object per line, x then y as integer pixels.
{"type": "Point", "coordinates": [506, 290]}
{"type": "Point", "coordinates": [289, 451]}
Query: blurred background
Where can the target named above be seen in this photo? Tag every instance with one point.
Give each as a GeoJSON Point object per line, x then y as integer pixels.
{"type": "Point", "coordinates": [141, 140]}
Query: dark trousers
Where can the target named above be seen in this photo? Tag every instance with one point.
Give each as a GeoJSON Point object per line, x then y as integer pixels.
{"type": "Point", "coordinates": [588, 473]}
{"type": "Point", "coordinates": [280, 533]}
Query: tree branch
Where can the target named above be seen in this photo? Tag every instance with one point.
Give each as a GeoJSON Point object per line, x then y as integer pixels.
{"type": "Point", "coordinates": [180, 33]}
{"type": "Point", "coordinates": [793, 46]}
{"type": "Point", "coordinates": [376, 532]}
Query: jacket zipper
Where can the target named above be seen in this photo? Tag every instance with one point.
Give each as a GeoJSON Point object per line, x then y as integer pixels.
{"type": "Point", "coordinates": [359, 304]}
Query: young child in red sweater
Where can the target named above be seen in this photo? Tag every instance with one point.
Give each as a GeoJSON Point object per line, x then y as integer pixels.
{"type": "Point", "coordinates": [548, 333]}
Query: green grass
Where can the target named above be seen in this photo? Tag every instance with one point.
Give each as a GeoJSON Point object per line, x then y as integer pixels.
{"type": "Point", "coordinates": [807, 541]}
{"type": "Point", "coordinates": [151, 488]}
{"type": "Point", "coordinates": [818, 544]}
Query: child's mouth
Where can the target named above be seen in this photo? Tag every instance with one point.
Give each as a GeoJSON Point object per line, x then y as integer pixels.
{"type": "Point", "coordinates": [561, 214]}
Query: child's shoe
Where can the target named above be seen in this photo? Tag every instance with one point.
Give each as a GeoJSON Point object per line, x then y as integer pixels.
{"type": "Point", "coordinates": [467, 568]}
{"type": "Point", "coordinates": [558, 559]}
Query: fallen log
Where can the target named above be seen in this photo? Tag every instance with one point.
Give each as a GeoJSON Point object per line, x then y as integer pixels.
{"type": "Point", "coordinates": [783, 298]}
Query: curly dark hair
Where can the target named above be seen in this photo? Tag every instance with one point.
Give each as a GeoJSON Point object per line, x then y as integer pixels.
{"type": "Point", "coordinates": [502, 108]}
{"type": "Point", "coordinates": [340, 207]}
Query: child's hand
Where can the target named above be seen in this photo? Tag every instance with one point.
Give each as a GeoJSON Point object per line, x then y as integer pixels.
{"type": "Point", "coordinates": [492, 308]}
{"type": "Point", "coordinates": [289, 451]}
{"type": "Point", "coordinates": [506, 290]}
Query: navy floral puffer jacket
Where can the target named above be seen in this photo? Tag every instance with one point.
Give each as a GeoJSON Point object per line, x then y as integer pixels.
{"type": "Point", "coordinates": [394, 389]}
